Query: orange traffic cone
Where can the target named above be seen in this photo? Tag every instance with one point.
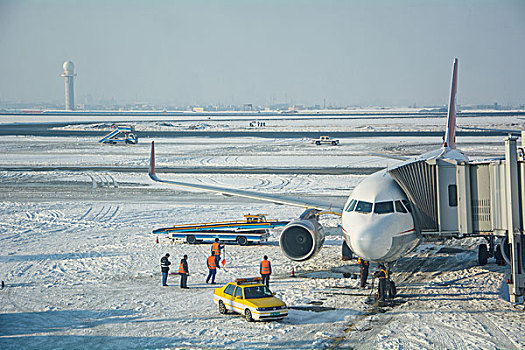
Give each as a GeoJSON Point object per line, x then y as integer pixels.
{"type": "Point", "coordinates": [157, 239]}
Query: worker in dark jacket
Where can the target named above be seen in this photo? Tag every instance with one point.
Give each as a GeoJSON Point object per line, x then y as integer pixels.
{"type": "Point", "coordinates": [382, 274]}
{"type": "Point", "coordinates": [266, 271]}
{"type": "Point", "coordinates": [165, 268]}
{"type": "Point", "coordinates": [184, 272]}
{"type": "Point", "coordinates": [364, 271]}
{"type": "Point", "coordinates": [212, 267]}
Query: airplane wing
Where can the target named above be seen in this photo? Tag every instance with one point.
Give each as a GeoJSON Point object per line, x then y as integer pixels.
{"type": "Point", "coordinates": [391, 156]}
{"type": "Point", "coordinates": [274, 198]}
{"type": "Point", "coordinates": [509, 131]}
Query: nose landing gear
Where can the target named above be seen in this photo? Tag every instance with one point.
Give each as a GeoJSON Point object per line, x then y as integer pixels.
{"type": "Point", "coordinates": [387, 288]}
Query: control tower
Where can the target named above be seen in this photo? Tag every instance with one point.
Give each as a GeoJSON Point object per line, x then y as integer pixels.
{"type": "Point", "coordinates": [68, 75]}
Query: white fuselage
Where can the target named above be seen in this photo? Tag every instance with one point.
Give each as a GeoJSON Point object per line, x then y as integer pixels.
{"type": "Point", "coordinates": [377, 223]}
{"type": "Point", "coordinates": [380, 225]}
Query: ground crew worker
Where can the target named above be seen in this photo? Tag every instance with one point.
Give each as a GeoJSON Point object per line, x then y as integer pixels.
{"type": "Point", "coordinates": [212, 266]}
{"type": "Point", "coordinates": [184, 272]}
{"type": "Point", "coordinates": [382, 274]}
{"type": "Point", "coordinates": [266, 271]}
{"type": "Point", "coordinates": [216, 251]}
{"type": "Point", "coordinates": [165, 268]}
{"type": "Point", "coordinates": [364, 264]}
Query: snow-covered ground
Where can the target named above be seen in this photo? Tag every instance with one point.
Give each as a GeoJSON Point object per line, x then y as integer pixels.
{"type": "Point", "coordinates": [81, 266]}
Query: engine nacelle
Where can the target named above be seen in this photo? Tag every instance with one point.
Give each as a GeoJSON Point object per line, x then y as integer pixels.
{"type": "Point", "coordinates": [301, 240]}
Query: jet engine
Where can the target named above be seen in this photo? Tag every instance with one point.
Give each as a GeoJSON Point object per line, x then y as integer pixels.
{"type": "Point", "coordinates": [301, 240]}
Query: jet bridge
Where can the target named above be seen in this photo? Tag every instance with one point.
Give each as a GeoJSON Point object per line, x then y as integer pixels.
{"type": "Point", "coordinates": [482, 198]}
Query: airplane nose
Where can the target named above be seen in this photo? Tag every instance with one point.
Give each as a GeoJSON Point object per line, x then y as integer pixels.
{"type": "Point", "coordinates": [371, 242]}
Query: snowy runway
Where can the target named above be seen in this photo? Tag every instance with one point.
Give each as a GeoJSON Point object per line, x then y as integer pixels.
{"type": "Point", "coordinates": [82, 267]}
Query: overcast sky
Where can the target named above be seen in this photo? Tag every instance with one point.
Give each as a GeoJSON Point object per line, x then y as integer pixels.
{"type": "Point", "coordinates": [261, 52]}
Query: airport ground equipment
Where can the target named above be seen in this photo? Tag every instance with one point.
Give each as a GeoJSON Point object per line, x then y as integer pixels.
{"type": "Point", "coordinates": [325, 140]}
{"type": "Point", "coordinates": [253, 229]}
{"type": "Point", "coordinates": [121, 134]}
{"type": "Point", "coordinates": [478, 198]}
{"type": "Point", "coordinates": [251, 298]}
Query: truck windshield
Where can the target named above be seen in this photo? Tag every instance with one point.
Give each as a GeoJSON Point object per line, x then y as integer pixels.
{"type": "Point", "coordinates": [257, 292]}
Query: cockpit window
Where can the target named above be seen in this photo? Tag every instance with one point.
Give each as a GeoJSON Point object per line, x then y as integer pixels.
{"type": "Point", "coordinates": [351, 205]}
{"type": "Point", "coordinates": [407, 205]}
{"type": "Point", "coordinates": [384, 207]}
{"type": "Point", "coordinates": [363, 207]}
{"type": "Point", "coordinates": [400, 208]}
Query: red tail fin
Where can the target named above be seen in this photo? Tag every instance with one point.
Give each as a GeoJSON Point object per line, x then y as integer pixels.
{"type": "Point", "coordinates": [450, 134]}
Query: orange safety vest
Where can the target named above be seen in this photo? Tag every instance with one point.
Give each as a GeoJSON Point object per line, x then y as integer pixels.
{"type": "Point", "coordinates": [216, 249]}
{"type": "Point", "coordinates": [385, 272]}
{"type": "Point", "coordinates": [181, 268]}
{"type": "Point", "coordinates": [265, 267]}
{"type": "Point", "coordinates": [364, 261]}
{"type": "Point", "coordinates": [211, 263]}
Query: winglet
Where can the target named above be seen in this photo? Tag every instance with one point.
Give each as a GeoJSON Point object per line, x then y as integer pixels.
{"type": "Point", "coordinates": [450, 134]}
{"type": "Point", "coordinates": [152, 161]}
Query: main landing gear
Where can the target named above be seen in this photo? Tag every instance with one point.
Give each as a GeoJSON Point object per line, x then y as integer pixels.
{"type": "Point", "coordinates": [490, 250]}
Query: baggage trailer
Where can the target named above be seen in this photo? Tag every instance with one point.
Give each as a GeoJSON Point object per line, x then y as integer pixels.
{"type": "Point", "coordinates": [253, 229]}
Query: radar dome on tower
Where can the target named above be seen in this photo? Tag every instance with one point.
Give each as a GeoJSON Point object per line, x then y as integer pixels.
{"type": "Point", "coordinates": [68, 66]}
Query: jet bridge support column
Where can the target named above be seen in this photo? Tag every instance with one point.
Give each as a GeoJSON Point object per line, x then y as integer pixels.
{"type": "Point", "coordinates": [514, 229]}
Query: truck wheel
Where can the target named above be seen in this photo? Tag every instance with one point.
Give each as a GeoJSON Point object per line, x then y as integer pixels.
{"type": "Point", "coordinates": [191, 239]}
{"type": "Point", "coordinates": [248, 315]}
{"type": "Point", "coordinates": [317, 143]}
{"type": "Point", "coordinates": [483, 254]}
{"type": "Point", "coordinates": [334, 143]}
{"type": "Point", "coordinates": [222, 308]}
{"type": "Point", "coordinates": [242, 240]}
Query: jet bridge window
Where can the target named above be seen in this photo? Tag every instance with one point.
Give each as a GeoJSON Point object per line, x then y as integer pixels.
{"type": "Point", "coordinates": [452, 196]}
{"type": "Point", "coordinates": [400, 208]}
{"type": "Point", "coordinates": [351, 205]}
{"type": "Point", "coordinates": [384, 207]}
{"type": "Point", "coordinates": [363, 207]}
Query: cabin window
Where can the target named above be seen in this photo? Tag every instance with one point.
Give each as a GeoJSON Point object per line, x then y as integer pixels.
{"type": "Point", "coordinates": [384, 207]}
{"type": "Point", "coordinates": [363, 207]}
{"type": "Point", "coordinates": [229, 290]}
{"type": "Point", "coordinates": [407, 205]}
{"type": "Point", "coordinates": [400, 208]}
{"type": "Point", "coordinates": [452, 196]}
{"type": "Point", "coordinates": [238, 292]}
{"type": "Point", "coordinates": [351, 205]}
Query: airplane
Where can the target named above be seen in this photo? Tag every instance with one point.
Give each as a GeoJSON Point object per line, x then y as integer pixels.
{"type": "Point", "coordinates": [378, 222]}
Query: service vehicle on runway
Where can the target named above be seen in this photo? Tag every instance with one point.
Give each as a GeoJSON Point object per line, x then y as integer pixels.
{"type": "Point", "coordinates": [325, 140]}
{"type": "Point", "coordinates": [254, 229]}
{"type": "Point", "coordinates": [251, 298]}
{"type": "Point", "coordinates": [121, 134]}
